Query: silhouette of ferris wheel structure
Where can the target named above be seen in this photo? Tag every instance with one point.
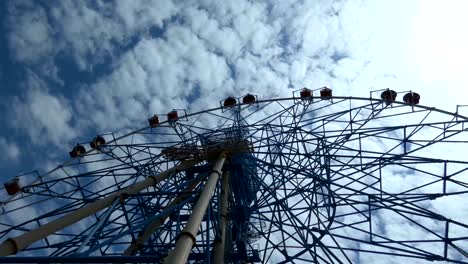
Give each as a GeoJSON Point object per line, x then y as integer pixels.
{"type": "Point", "coordinates": [305, 179]}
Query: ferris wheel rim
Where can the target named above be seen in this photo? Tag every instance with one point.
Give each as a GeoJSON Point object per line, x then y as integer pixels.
{"type": "Point", "coordinates": [285, 99]}
{"type": "Point", "coordinates": [220, 108]}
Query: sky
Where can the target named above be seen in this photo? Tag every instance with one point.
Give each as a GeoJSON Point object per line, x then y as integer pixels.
{"type": "Point", "coordinates": [72, 69]}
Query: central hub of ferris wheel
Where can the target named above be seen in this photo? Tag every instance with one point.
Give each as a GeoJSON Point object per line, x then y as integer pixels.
{"type": "Point", "coordinates": [246, 227]}
{"type": "Point", "coordinates": [234, 143]}
{"type": "Point", "coordinates": [209, 146]}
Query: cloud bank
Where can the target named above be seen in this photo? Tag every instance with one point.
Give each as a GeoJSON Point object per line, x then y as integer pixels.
{"type": "Point", "coordinates": [94, 67]}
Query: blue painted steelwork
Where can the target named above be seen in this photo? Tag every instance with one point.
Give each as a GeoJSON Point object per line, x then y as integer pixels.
{"type": "Point", "coordinates": [243, 202]}
{"type": "Point", "coordinates": [320, 181]}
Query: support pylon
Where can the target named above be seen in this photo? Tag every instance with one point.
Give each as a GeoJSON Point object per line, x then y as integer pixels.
{"type": "Point", "coordinates": [16, 244]}
{"type": "Point", "coordinates": [220, 244]}
{"type": "Point", "coordinates": [153, 226]}
{"type": "Point", "coordinates": [187, 237]}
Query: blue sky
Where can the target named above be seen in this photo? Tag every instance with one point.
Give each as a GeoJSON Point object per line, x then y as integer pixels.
{"type": "Point", "coordinates": [72, 69]}
{"type": "Point", "coordinates": [104, 66]}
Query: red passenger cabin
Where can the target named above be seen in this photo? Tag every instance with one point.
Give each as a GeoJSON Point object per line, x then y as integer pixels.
{"type": "Point", "coordinates": [153, 121]}
{"type": "Point", "coordinates": [97, 142]}
{"type": "Point", "coordinates": [172, 116]}
{"type": "Point", "coordinates": [12, 187]}
{"type": "Point", "coordinates": [249, 99]}
{"type": "Point", "coordinates": [229, 102]}
{"type": "Point", "coordinates": [305, 93]}
{"type": "Point", "coordinates": [388, 96]}
{"type": "Point", "coordinates": [326, 93]}
{"type": "Point", "coordinates": [77, 151]}
{"type": "Point", "coordinates": [411, 98]}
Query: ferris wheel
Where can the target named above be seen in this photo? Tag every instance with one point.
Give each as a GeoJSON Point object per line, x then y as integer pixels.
{"type": "Point", "coordinates": [306, 179]}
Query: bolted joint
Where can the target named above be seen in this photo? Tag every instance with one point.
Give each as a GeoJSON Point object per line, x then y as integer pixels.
{"type": "Point", "coordinates": [217, 172]}
{"type": "Point", "coordinates": [14, 244]}
{"type": "Point", "coordinates": [225, 216]}
{"type": "Point", "coordinates": [122, 197]}
{"type": "Point", "coordinates": [138, 245]}
{"type": "Point", "coordinates": [190, 235]}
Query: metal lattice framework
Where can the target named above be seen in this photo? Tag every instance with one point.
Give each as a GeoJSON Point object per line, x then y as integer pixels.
{"type": "Point", "coordinates": [341, 180]}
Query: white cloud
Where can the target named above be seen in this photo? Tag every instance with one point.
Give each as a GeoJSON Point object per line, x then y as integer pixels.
{"type": "Point", "coordinates": [88, 32]}
{"type": "Point", "coordinates": [382, 49]}
{"type": "Point", "coordinates": [214, 49]}
{"type": "Point", "coordinates": [155, 77]}
{"type": "Point", "coordinates": [30, 35]}
{"type": "Point", "coordinates": [44, 117]}
{"type": "Point", "coordinates": [9, 149]}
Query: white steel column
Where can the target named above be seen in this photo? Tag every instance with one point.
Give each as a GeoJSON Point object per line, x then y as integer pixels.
{"type": "Point", "coordinates": [187, 237]}
{"type": "Point", "coordinates": [15, 244]}
{"type": "Point", "coordinates": [223, 208]}
{"type": "Point", "coordinates": [153, 226]}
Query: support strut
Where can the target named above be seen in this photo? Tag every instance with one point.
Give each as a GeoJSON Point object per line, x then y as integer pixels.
{"type": "Point", "coordinates": [101, 222]}
{"type": "Point", "coordinates": [220, 244]}
{"type": "Point", "coordinates": [153, 226]}
{"type": "Point", "coordinates": [187, 237]}
{"type": "Point", "coordinates": [15, 244]}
